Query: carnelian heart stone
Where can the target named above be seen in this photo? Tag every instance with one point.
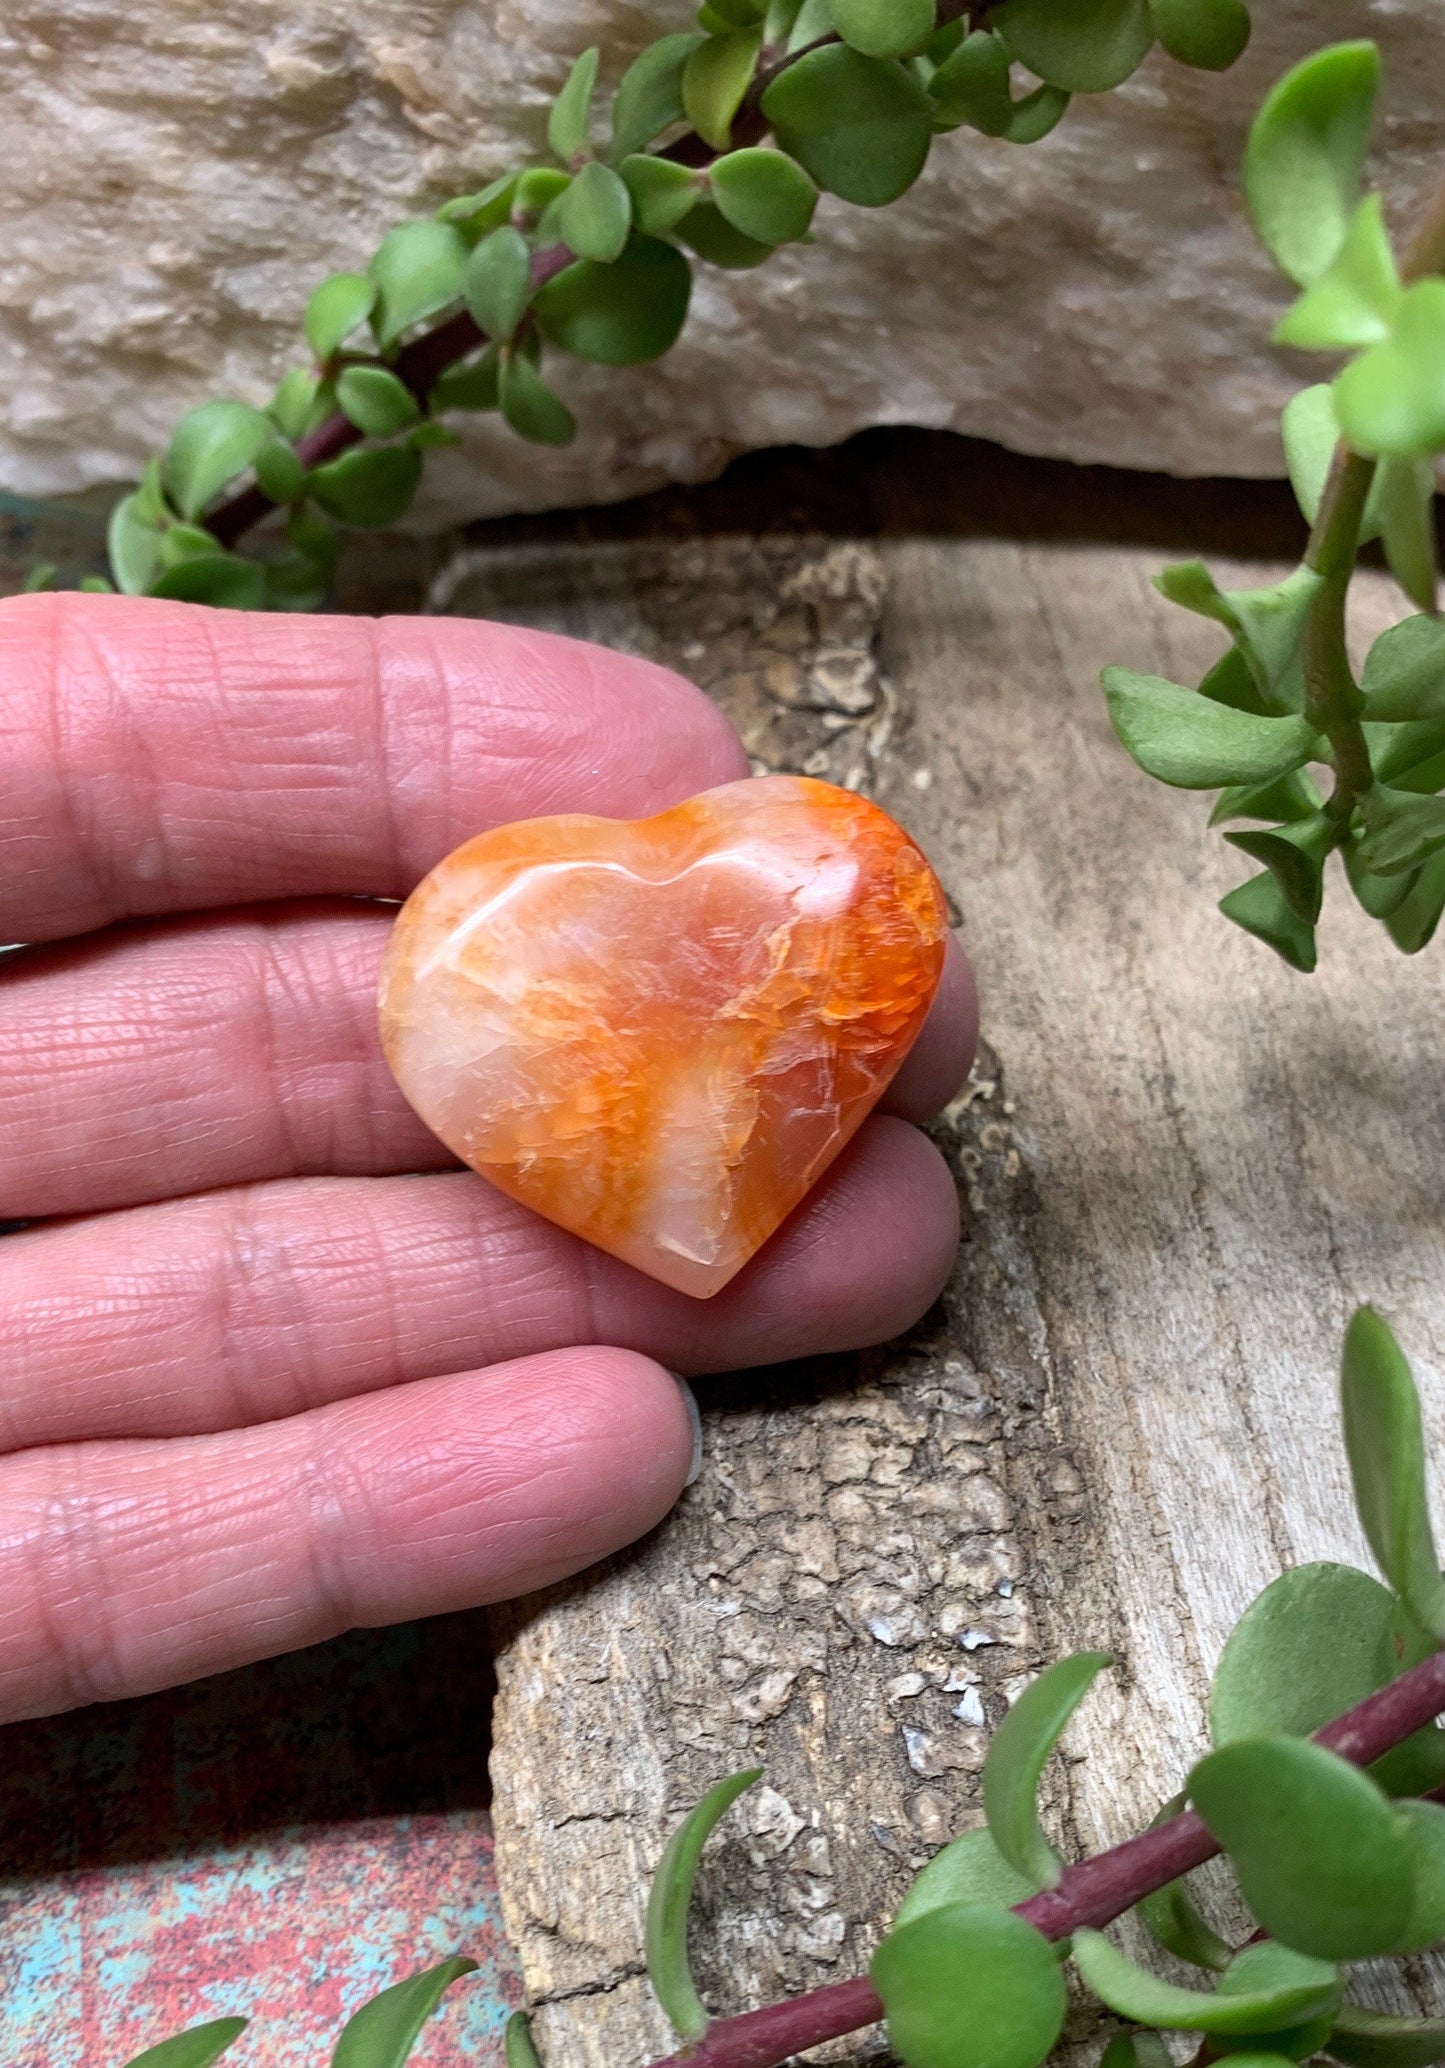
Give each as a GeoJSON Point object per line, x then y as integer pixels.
{"type": "Point", "coordinates": [660, 1032]}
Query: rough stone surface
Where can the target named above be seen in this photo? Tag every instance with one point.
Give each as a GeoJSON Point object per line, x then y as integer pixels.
{"type": "Point", "coordinates": [179, 175]}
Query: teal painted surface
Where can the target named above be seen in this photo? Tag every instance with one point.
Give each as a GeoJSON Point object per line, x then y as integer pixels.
{"type": "Point", "coordinates": [278, 1843]}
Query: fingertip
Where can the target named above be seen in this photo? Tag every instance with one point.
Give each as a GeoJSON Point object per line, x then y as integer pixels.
{"type": "Point", "coordinates": [494, 1483]}
{"type": "Point", "coordinates": [632, 1439]}
{"type": "Point", "coordinates": [937, 1066]}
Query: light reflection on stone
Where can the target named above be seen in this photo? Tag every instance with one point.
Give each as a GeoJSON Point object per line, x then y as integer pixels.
{"type": "Point", "coordinates": [659, 1033]}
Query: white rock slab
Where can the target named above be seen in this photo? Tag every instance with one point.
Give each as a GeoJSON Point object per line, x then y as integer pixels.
{"type": "Point", "coordinates": [179, 173]}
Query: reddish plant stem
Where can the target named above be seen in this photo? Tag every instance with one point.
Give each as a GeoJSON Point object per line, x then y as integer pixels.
{"type": "Point", "coordinates": [420, 364]}
{"type": "Point", "coordinates": [1092, 1893]}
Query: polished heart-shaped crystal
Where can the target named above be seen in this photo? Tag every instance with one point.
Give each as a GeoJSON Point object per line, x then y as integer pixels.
{"type": "Point", "coordinates": [660, 1032]}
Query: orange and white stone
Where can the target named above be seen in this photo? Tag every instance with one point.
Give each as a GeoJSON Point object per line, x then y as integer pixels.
{"type": "Point", "coordinates": [659, 1033]}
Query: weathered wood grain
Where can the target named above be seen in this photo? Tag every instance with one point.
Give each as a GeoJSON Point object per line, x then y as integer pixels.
{"type": "Point", "coordinates": [1183, 1163]}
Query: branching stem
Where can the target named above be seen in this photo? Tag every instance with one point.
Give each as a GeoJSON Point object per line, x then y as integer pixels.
{"type": "Point", "coordinates": [421, 363]}
{"type": "Point", "coordinates": [1332, 698]}
{"type": "Point", "coordinates": [1092, 1893]}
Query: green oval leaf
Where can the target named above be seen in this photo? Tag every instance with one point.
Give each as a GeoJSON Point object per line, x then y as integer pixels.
{"type": "Point", "coordinates": [1267, 625]}
{"type": "Point", "coordinates": [567, 124]}
{"type": "Point", "coordinates": [537, 189]}
{"type": "Point", "coordinates": [859, 125]}
{"type": "Point", "coordinates": [884, 28]}
{"type": "Point", "coordinates": [1426, 1924]}
{"type": "Point", "coordinates": [1248, 2057]}
{"type": "Point", "coordinates": [1401, 830]}
{"type": "Point", "coordinates": [1404, 672]}
{"type": "Point", "coordinates": [1021, 1745]}
{"type": "Point", "coordinates": [1313, 1644]}
{"type": "Point", "coordinates": [649, 99]}
{"type": "Point", "coordinates": [1264, 1988]}
{"type": "Point", "coordinates": [1323, 1860]}
{"type": "Point", "coordinates": [376, 401]}
{"type": "Point", "coordinates": [764, 194]}
{"type": "Point", "coordinates": [1036, 115]}
{"type": "Point", "coordinates": [519, 2049]}
{"type": "Point", "coordinates": [1385, 1443]}
{"type": "Point", "coordinates": [812, 20]}
{"type": "Point", "coordinates": [472, 386]}
{"type": "Point", "coordinates": [133, 545]}
{"type": "Point", "coordinates": [1356, 300]}
{"type": "Point", "coordinates": [367, 489]}
{"type": "Point", "coordinates": [294, 583]}
{"type": "Point", "coordinates": [662, 192]}
{"type": "Point", "coordinates": [668, 1967]}
{"type": "Point", "coordinates": [1196, 744]}
{"type": "Point", "coordinates": [1208, 34]}
{"type": "Point", "coordinates": [1405, 499]}
{"type": "Point", "coordinates": [1083, 46]}
{"type": "Point", "coordinates": [1295, 857]}
{"type": "Point", "coordinates": [1260, 908]}
{"type": "Point", "coordinates": [1305, 154]}
{"type": "Point", "coordinates": [1291, 798]}
{"type": "Point", "coordinates": [709, 233]}
{"type": "Point", "coordinates": [301, 401]}
{"type": "Point", "coordinates": [968, 1987]}
{"type": "Point", "coordinates": [972, 85]}
{"type": "Point", "coordinates": [622, 314]}
{"type": "Point", "coordinates": [209, 447]}
{"type": "Point", "coordinates": [313, 536]}
{"type": "Point", "coordinates": [969, 1870]}
{"type": "Point", "coordinates": [384, 2031]}
{"type": "Point", "coordinates": [418, 272]}
{"type": "Point", "coordinates": [1411, 926]}
{"type": "Point", "coordinates": [498, 282]}
{"type": "Point", "coordinates": [279, 473]}
{"type": "Point", "coordinates": [194, 2049]}
{"type": "Point", "coordinates": [1373, 2039]}
{"type": "Point", "coordinates": [335, 309]}
{"type": "Point", "coordinates": [595, 214]}
{"type": "Point", "coordinates": [1311, 431]}
{"type": "Point", "coordinates": [1295, 2043]}
{"type": "Point", "coordinates": [714, 79]}
{"type": "Point", "coordinates": [224, 580]}
{"type": "Point", "coordinates": [475, 214]}
{"type": "Point", "coordinates": [530, 406]}
{"type": "Point", "coordinates": [1391, 400]}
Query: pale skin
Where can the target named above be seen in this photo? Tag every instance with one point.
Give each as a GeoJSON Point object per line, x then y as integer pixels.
{"type": "Point", "coordinates": [260, 1382]}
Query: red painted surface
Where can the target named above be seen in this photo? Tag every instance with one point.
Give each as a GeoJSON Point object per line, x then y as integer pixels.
{"type": "Point", "coordinates": [278, 1843]}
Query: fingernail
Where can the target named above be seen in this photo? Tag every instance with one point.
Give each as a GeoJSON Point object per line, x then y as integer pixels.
{"type": "Point", "coordinates": [689, 1401]}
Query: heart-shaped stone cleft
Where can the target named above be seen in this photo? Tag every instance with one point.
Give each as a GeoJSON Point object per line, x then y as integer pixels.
{"type": "Point", "coordinates": [660, 1032]}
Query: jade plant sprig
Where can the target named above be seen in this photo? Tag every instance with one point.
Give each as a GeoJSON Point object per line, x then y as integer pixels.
{"type": "Point", "coordinates": [1322, 1715]}
{"type": "Point", "coordinates": [714, 147]}
{"type": "Point", "coordinates": [1362, 449]}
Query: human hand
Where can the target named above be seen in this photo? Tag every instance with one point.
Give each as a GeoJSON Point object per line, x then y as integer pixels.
{"type": "Point", "coordinates": [261, 1383]}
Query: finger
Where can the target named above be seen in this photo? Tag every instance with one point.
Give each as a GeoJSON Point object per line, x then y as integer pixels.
{"type": "Point", "coordinates": [163, 757]}
{"type": "Point", "coordinates": [937, 1065]}
{"type": "Point", "coordinates": [131, 1566]}
{"type": "Point", "coordinates": [241, 1307]}
{"type": "Point", "coordinates": [161, 1059]}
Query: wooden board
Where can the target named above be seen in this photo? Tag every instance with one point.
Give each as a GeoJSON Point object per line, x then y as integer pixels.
{"type": "Point", "coordinates": [1183, 1165]}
